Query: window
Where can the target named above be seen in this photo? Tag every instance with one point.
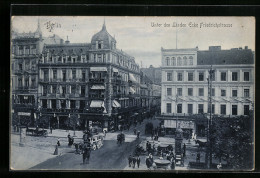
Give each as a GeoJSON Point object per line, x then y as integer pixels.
{"type": "Point", "coordinates": [201, 76]}
{"type": "Point", "coordinates": [33, 84]}
{"type": "Point", "coordinates": [169, 108]}
{"type": "Point", "coordinates": [184, 60]}
{"type": "Point", "coordinates": [82, 104]}
{"type": "Point", "coordinates": [234, 93]}
{"type": "Point", "coordinates": [64, 76]}
{"type": "Point", "coordinates": [20, 66]}
{"type": "Point", "coordinates": [179, 77]}
{"type": "Point", "coordinates": [246, 109]}
{"type": "Point", "coordinates": [27, 82]}
{"type": "Point", "coordinates": [223, 92]}
{"type": "Point", "coordinates": [190, 108]}
{"type": "Point", "coordinates": [179, 91]}
{"type": "Point", "coordinates": [190, 76]}
{"type": "Point", "coordinates": [190, 60]}
{"type": "Point", "coordinates": [234, 109]}
{"type": "Point", "coordinates": [213, 92]}
{"type": "Point", "coordinates": [55, 74]}
{"type": "Point", "coordinates": [213, 76]}
{"type": "Point", "coordinates": [46, 75]}
{"type": "Point", "coordinates": [82, 90]}
{"type": "Point", "coordinates": [72, 104]}
{"type": "Point", "coordinates": [99, 45]}
{"type": "Point", "coordinates": [201, 91]}
{"type": "Point", "coordinates": [169, 76]}
{"type": "Point", "coordinates": [20, 83]}
{"type": "Point", "coordinates": [74, 74]}
{"type": "Point", "coordinates": [234, 76]}
{"type": "Point", "coordinates": [169, 91]}
{"type": "Point", "coordinates": [223, 76]}
{"type": "Point", "coordinates": [222, 109]}
{"type": "Point", "coordinates": [73, 89]}
{"type": "Point", "coordinates": [200, 108]}
{"type": "Point", "coordinates": [179, 108]}
{"type": "Point", "coordinates": [63, 90]}
{"type": "Point", "coordinates": [190, 91]}
{"type": "Point", "coordinates": [53, 104]}
{"type": "Point", "coordinates": [167, 61]}
{"type": "Point", "coordinates": [44, 90]}
{"type": "Point", "coordinates": [83, 75]}
{"type": "Point", "coordinates": [246, 92]}
{"type": "Point", "coordinates": [44, 103]}
{"type": "Point", "coordinates": [173, 61]}
{"type": "Point", "coordinates": [246, 76]}
{"type": "Point", "coordinates": [63, 104]}
{"type": "Point", "coordinates": [54, 88]}
{"type": "Point", "coordinates": [213, 108]}
{"type": "Point", "coordinates": [179, 62]}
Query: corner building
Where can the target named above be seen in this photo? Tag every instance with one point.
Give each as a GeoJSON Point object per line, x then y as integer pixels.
{"type": "Point", "coordinates": [185, 87]}
{"type": "Point", "coordinates": [95, 82]}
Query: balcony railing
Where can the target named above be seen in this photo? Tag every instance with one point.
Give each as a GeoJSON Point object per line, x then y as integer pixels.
{"type": "Point", "coordinates": [96, 80]}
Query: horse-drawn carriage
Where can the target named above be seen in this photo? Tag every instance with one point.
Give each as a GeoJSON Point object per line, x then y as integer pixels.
{"type": "Point", "coordinates": [36, 132]}
{"type": "Point", "coordinates": [95, 141]}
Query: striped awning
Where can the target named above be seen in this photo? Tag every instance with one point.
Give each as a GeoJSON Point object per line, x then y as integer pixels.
{"type": "Point", "coordinates": [132, 90]}
{"type": "Point", "coordinates": [96, 104]}
{"type": "Point", "coordinates": [98, 87]}
{"type": "Point", "coordinates": [116, 104]}
{"type": "Point", "coordinates": [98, 69]}
{"type": "Point", "coordinates": [132, 78]}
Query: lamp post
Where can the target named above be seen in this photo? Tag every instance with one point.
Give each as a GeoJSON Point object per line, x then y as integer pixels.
{"type": "Point", "coordinates": [176, 112]}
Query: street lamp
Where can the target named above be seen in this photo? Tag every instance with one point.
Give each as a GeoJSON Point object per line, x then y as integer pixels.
{"type": "Point", "coordinates": [176, 112]}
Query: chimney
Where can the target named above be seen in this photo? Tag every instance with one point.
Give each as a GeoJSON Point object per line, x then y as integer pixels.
{"type": "Point", "coordinates": [67, 41]}
{"type": "Point", "coordinates": [246, 47]}
{"type": "Point", "coordinates": [61, 41]}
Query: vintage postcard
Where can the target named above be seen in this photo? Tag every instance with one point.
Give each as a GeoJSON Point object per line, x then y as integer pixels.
{"type": "Point", "coordinates": [132, 93]}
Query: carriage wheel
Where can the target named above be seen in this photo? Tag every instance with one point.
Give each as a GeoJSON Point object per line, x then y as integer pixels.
{"type": "Point", "coordinates": [94, 147]}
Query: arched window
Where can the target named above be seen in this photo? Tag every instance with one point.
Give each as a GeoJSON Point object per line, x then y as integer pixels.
{"type": "Point", "coordinates": [167, 61]}
{"type": "Point", "coordinates": [173, 61]}
{"type": "Point", "coordinates": [179, 62]}
{"type": "Point", "coordinates": [190, 60]}
{"type": "Point", "coordinates": [184, 60]}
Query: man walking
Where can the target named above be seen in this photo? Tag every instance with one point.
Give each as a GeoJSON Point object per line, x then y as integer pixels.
{"type": "Point", "coordinates": [130, 160]}
{"type": "Point", "coordinates": [134, 161]}
{"type": "Point", "coordinates": [86, 152]}
{"type": "Point", "coordinates": [184, 150]}
{"type": "Point", "coordinates": [138, 160]}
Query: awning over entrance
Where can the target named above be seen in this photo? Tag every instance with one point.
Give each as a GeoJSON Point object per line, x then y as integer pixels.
{"type": "Point", "coordinates": [98, 87]}
{"type": "Point", "coordinates": [98, 69]}
{"type": "Point", "coordinates": [132, 90]}
{"type": "Point", "coordinates": [116, 104]}
{"type": "Point", "coordinates": [96, 104]}
{"type": "Point", "coordinates": [115, 70]}
{"type": "Point", "coordinates": [183, 124]}
{"type": "Point", "coordinates": [132, 78]}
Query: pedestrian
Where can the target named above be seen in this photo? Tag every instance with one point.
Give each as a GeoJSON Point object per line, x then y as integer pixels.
{"type": "Point", "coordinates": [69, 139]}
{"type": "Point", "coordinates": [58, 142]}
{"type": "Point", "coordinates": [168, 156]}
{"type": "Point", "coordinates": [134, 161]}
{"type": "Point", "coordinates": [138, 134]}
{"type": "Point", "coordinates": [104, 132]}
{"type": "Point", "coordinates": [56, 152]}
{"type": "Point", "coordinates": [86, 152]}
{"type": "Point", "coordinates": [152, 135]}
{"type": "Point", "coordinates": [138, 160]}
{"type": "Point", "coordinates": [51, 129]}
{"type": "Point", "coordinates": [149, 161]}
{"type": "Point", "coordinates": [184, 150]}
{"type": "Point", "coordinates": [195, 136]}
{"type": "Point", "coordinates": [147, 145]}
{"type": "Point", "coordinates": [198, 158]}
{"type": "Point", "coordinates": [135, 131]}
{"type": "Point", "coordinates": [130, 160]}
{"type": "Point", "coordinates": [172, 163]}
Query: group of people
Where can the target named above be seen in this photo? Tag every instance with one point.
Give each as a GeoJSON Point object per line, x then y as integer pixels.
{"type": "Point", "coordinates": [134, 159]}
{"type": "Point", "coordinates": [155, 134]}
{"type": "Point", "coordinates": [137, 133]}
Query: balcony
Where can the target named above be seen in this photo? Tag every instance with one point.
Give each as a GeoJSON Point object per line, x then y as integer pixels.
{"type": "Point", "coordinates": [91, 96]}
{"type": "Point", "coordinates": [93, 80]}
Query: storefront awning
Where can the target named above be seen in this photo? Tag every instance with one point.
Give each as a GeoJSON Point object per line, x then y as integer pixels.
{"type": "Point", "coordinates": [132, 78]}
{"type": "Point", "coordinates": [98, 69]}
{"type": "Point", "coordinates": [132, 90]}
{"type": "Point", "coordinates": [116, 104]}
{"type": "Point", "coordinates": [143, 86]}
{"type": "Point", "coordinates": [183, 124]}
{"type": "Point", "coordinates": [98, 87]}
{"type": "Point", "coordinates": [115, 70]}
{"type": "Point", "coordinates": [96, 104]}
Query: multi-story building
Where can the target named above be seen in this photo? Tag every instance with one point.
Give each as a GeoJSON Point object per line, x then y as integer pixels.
{"type": "Point", "coordinates": [26, 51]}
{"type": "Point", "coordinates": [95, 81]}
{"type": "Point", "coordinates": [185, 87]}
{"type": "Point", "coordinates": [154, 74]}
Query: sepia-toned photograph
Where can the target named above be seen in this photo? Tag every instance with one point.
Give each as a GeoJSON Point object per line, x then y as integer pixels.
{"type": "Point", "coordinates": [121, 93]}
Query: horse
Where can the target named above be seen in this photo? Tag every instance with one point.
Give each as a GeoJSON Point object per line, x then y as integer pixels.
{"type": "Point", "coordinates": [201, 144]}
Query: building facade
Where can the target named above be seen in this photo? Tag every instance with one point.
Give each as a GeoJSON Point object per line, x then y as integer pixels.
{"type": "Point", "coordinates": [93, 83]}
{"type": "Point", "coordinates": [185, 89]}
